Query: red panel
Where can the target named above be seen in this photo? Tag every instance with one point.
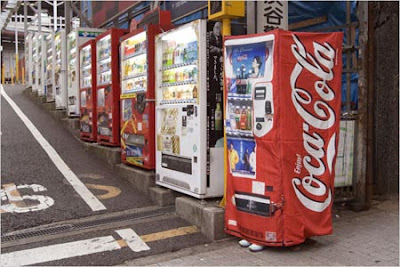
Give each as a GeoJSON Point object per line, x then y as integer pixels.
{"type": "Point", "coordinates": [88, 119]}
{"type": "Point", "coordinates": [108, 115]}
{"type": "Point", "coordinates": [295, 161]}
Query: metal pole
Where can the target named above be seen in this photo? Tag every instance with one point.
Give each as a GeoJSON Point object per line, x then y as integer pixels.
{"type": "Point", "coordinates": [67, 11]}
{"type": "Point", "coordinates": [348, 56]}
{"type": "Point", "coordinates": [361, 127]}
{"type": "Point", "coordinates": [16, 49]}
{"type": "Point", "coordinates": [55, 15]}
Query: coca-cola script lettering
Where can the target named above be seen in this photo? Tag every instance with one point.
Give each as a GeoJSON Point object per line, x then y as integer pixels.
{"type": "Point", "coordinates": [317, 114]}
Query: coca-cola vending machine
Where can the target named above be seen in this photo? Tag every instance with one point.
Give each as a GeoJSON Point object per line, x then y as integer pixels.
{"type": "Point", "coordinates": [283, 94]}
{"type": "Point", "coordinates": [137, 90]}
{"type": "Point", "coordinates": [108, 86]}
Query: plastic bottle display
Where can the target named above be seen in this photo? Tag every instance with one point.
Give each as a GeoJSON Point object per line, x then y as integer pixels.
{"type": "Point", "coordinates": [237, 117]}
{"type": "Point", "coordinates": [243, 119]}
{"type": "Point", "coordinates": [248, 126]}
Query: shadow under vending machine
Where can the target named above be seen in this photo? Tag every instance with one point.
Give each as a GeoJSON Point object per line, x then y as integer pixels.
{"type": "Point", "coordinates": [283, 95]}
{"type": "Point", "coordinates": [108, 86]}
{"type": "Point", "coordinates": [87, 91]}
{"type": "Point", "coordinates": [137, 93]}
{"type": "Point", "coordinates": [189, 104]}
{"type": "Point", "coordinates": [75, 38]}
{"type": "Point", "coordinates": [60, 69]}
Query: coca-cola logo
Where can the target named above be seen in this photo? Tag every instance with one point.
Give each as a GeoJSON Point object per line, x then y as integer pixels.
{"type": "Point", "coordinates": [313, 193]}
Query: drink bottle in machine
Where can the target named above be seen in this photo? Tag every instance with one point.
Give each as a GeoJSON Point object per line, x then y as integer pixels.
{"type": "Point", "coordinates": [282, 124]}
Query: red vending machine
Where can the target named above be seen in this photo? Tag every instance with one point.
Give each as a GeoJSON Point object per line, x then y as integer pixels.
{"type": "Point", "coordinates": [108, 86]}
{"type": "Point", "coordinates": [282, 96]}
{"type": "Point", "coordinates": [87, 91]}
{"type": "Point", "coordinates": [137, 91]}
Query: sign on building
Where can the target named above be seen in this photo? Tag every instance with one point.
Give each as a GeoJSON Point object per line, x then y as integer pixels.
{"type": "Point", "coordinates": [272, 15]}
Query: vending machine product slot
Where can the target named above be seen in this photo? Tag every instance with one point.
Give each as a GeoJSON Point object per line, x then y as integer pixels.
{"type": "Point", "coordinates": [255, 204]}
{"type": "Point", "coordinates": [177, 163]}
{"type": "Point", "coordinates": [135, 140]}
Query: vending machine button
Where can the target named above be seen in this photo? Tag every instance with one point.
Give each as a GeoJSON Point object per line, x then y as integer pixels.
{"type": "Point", "coordinates": [258, 126]}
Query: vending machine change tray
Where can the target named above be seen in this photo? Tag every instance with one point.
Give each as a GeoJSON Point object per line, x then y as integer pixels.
{"type": "Point", "coordinates": [176, 163]}
{"type": "Point", "coordinates": [251, 203]}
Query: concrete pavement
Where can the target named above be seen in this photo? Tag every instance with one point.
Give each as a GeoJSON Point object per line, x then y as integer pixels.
{"type": "Point", "coordinates": [367, 238]}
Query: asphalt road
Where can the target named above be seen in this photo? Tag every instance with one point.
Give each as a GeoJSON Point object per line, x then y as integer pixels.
{"type": "Point", "coordinates": [35, 193]}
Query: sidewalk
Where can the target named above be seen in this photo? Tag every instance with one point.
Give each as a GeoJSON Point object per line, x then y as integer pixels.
{"type": "Point", "coordinates": [360, 238]}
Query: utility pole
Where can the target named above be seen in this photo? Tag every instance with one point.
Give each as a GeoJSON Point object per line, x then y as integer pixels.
{"type": "Point", "coordinates": [16, 49]}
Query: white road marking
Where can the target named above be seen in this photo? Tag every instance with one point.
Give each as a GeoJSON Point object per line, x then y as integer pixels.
{"type": "Point", "coordinates": [16, 201]}
{"type": "Point", "coordinates": [73, 249]}
{"type": "Point", "coordinates": [79, 187]}
{"type": "Point", "coordinates": [133, 241]}
{"type": "Point", "coordinates": [59, 251]}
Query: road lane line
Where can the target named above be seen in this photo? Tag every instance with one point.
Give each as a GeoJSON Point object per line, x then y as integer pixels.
{"type": "Point", "coordinates": [79, 187]}
{"type": "Point", "coordinates": [112, 191]}
{"type": "Point", "coordinates": [89, 246]}
{"type": "Point", "coordinates": [170, 233]}
{"type": "Point", "coordinates": [133, 241]}
{"type": "Point", "coordinates": [59, 251]}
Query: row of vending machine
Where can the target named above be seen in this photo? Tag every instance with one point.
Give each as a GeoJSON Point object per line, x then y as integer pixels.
{"type": "Point", "coordinates": [158, 93]}
{"type": "Point", "coordinates": [155, 91]}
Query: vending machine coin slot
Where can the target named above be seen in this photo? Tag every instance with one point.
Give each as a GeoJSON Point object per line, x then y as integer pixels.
{"type": "Point", "coordinates": [268, 109]}
{"type": "Point", "coordinates": [260, 93]}
{"type": "Point", "coordinates": [263, 109]}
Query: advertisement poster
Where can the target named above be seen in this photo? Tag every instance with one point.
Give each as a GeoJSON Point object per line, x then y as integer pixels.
{"type": "Point", "coordinates": [104, 117]}
{"type": "Point", "coordinates": [215, 88]}
{"type": "Point", "coordinates": [242, 157]}
{"type": "Point", "coordinates": [344, 159]}
{"type": "Point", "coordinates": [85, 121]}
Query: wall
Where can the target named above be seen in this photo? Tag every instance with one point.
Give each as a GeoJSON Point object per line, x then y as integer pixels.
{"type": "Point", "coordinates": [386, 89]}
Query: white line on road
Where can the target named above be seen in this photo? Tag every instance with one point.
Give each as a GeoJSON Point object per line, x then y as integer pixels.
{"type": "Point", "coordinates": [133, 241]}
{"type": "Point", "coordinates": [79, 187]}
{"type": "Point", "coordinates": [59, 251]}
{"type": "Point", "coordinates": [73, 249]}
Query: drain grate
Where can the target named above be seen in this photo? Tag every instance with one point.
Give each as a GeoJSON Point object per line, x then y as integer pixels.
{"type": "Point", "coordinates": [59, 229]}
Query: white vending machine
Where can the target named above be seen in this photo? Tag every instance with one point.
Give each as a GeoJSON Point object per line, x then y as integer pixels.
{"type": "Point", "coordinates": [189, 142]}
{"type": "Point", "coordinates": [76, 38]}
{"type": "Point", "coordinates": [60, 69]}
{"type": "Point", "coordinates": [28, 61]}
{"type": "Point", "coordinates": [50, 67]}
